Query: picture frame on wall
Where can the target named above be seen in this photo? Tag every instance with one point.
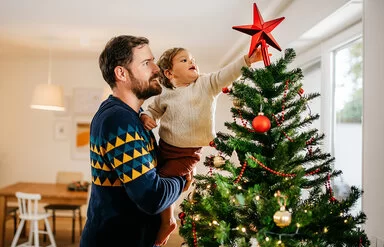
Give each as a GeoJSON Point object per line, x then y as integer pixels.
{"type": "Point", "coordinates": [80, 138]}
{"type": "Point", "coordinates": [61, 130]}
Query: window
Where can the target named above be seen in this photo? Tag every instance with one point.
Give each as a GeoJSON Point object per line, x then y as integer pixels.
{"type": "Point", "coordinates": [347, 110]}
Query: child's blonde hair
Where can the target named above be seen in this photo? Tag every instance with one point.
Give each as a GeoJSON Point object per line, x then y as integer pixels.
{"type": "Point", "coordinates": [165, 62]}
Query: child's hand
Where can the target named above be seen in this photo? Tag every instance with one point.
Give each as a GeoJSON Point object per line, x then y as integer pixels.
{"type": "Point", "coordinates": [255, 57]}
{"type": "Point", "coordinates": [148, 122]}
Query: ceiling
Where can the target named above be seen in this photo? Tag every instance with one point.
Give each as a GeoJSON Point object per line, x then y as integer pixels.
{"type": "Point", "coordinates": [202, 26]}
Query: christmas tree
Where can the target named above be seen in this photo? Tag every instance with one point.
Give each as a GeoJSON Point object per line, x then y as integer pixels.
{"type": "Point", "coordinates": [270, 183]}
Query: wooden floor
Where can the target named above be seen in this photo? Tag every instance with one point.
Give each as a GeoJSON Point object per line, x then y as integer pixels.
{"type": "Point", "coordinates": [64, 233]}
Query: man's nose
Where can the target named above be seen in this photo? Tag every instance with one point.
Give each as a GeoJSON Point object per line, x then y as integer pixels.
{"type": "Point", "coordinates": [155, 68]}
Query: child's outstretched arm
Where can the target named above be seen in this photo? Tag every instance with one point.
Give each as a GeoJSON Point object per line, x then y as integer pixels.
{"type": "Point", "coordinates": [148, 122]}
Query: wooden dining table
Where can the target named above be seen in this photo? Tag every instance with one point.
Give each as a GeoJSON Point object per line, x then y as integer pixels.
{"type": "Point", "coordinates": [50, 193]}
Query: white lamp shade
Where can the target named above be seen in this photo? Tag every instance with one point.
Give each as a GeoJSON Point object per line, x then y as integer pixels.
{"type": "Point", "coordinates": [48, 97]}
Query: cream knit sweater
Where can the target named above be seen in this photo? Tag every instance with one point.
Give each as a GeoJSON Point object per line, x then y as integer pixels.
{"type": "Point", "coordinates": [186, 114]}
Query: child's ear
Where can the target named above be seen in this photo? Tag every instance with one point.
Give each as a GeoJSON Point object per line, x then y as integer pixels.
{"type": "Point", "coordinates": [168, 74]}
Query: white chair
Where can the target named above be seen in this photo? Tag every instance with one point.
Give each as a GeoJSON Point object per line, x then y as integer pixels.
{"type": "Point", "coordinates": [28, 210]}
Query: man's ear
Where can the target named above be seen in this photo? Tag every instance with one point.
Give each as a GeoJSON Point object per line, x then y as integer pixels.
{"type": "Point", "coordinates": [168, 74]}
{"type": "Point", "coordinates": [121, 74]}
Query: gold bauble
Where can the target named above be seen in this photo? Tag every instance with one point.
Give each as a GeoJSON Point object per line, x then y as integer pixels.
{"type": "Point", "coordinates": [237, 103]}
{"type": "Point", "coordinates": [218, 161]}
{"type": "Point", "coordinates": [282, 218]}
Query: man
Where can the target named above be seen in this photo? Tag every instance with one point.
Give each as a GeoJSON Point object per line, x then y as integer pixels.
{"type": "Point", "coordinates": [127, 194]}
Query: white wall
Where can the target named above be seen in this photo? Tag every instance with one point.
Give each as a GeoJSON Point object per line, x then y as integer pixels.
{"type": "Point", "coordinates": [28, 149]}
{"type": "Point", "coordinates": [373, 119]}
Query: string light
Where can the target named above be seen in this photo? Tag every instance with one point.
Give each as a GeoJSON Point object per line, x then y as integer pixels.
{"type": "Point", "coordinates": [284, 234]}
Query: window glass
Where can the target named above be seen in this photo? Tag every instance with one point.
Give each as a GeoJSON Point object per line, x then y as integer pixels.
{"type": "Point", "coordinates": [348, 101]}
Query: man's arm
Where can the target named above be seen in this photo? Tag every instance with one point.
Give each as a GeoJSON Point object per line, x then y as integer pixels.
{"type": "Point", "coordinates": [131, 152]}
{"type": "Point", "coordinates": [152, 193]}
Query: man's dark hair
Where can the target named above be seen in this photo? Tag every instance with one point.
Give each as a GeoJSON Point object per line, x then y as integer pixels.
{"type": "Point", "coordinates": [118, 52]}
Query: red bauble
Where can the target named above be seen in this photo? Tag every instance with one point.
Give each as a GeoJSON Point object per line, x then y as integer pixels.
{"type": "Point", "coordinates": [301, 91]}
{"type": "Point", "coordinates": [212, 144]}
{"type": "Point", "coordinates": [225, 90]}
{"type": "Point", "coordinates": [182, 218]}
{"type": "Point", "coordinates": [261, 123]}
{"type": "Point", "coordinates": [182, 215]}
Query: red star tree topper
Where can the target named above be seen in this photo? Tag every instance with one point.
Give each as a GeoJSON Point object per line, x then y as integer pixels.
{"type": "Point", "coordinates": [261, 34]}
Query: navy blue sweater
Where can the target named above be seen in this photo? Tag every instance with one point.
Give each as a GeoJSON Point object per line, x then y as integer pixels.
{"type": "Point", "coordinates": [126, 194]}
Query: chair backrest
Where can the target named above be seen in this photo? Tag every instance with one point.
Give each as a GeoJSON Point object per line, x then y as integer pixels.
{"type": "Point", "coordinates": [68, 177]}
{"type": "Point", "coordinates": [28, 203]}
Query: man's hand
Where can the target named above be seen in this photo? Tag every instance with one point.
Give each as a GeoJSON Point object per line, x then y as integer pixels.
{"type": "Point", "coordinates": [148, 122]}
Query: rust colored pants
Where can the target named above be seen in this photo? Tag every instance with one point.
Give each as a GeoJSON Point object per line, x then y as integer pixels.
{"type": "Point", "coordinates": [175, 161]}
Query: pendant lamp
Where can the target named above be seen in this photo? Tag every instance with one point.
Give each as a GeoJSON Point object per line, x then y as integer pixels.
{"type": "Point", "coordinates": [48, 96]}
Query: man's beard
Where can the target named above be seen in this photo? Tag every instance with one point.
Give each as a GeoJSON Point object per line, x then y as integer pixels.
{"type": "Point", "coordinates": [138, 89]}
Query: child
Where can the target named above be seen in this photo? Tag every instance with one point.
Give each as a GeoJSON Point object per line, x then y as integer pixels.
{"type": "Point", "coordinates": [186, 107]}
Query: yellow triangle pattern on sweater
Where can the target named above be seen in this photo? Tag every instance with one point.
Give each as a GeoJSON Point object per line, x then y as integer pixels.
{"type": "Point", "coordinates": [107, 176]}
